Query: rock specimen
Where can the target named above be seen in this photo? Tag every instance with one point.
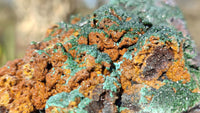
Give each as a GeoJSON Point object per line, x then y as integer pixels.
{"type": "Point", "coordinates": [126, 57]}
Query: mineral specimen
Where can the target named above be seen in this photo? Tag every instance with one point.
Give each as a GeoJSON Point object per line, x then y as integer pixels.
{"type": "Point", "coordinates": [128, 56]}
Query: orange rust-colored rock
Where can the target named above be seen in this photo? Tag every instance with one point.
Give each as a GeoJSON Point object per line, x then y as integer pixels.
{"type": "Point", "coordinates": [179, 71]}
{"type": "Point", "coordinates": [126, 42]}
{"type": "Point", "coordinates": [113, 53]}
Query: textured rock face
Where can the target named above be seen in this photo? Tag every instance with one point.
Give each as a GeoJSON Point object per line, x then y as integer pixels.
{"type": "Point", "coordinates": [111, 61]}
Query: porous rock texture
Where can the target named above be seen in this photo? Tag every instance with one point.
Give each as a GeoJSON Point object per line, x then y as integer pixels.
{"type": "Point", "coordinates": [126, 57]}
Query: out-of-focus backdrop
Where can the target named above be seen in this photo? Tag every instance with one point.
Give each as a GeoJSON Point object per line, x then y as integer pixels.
{"type": "Point", "coordinates": [23, 21]}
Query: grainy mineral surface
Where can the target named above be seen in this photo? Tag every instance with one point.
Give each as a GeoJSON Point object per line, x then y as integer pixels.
{"type": "Point", "coordinates": [128, 56]}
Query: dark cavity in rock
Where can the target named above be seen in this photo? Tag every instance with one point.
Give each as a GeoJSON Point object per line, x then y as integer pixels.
{"type": "Point", "coordinates": [157, 63]}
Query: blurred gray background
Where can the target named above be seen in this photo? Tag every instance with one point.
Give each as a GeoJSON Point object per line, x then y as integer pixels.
{"type": "Point", "coordinates": [23, 21]}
